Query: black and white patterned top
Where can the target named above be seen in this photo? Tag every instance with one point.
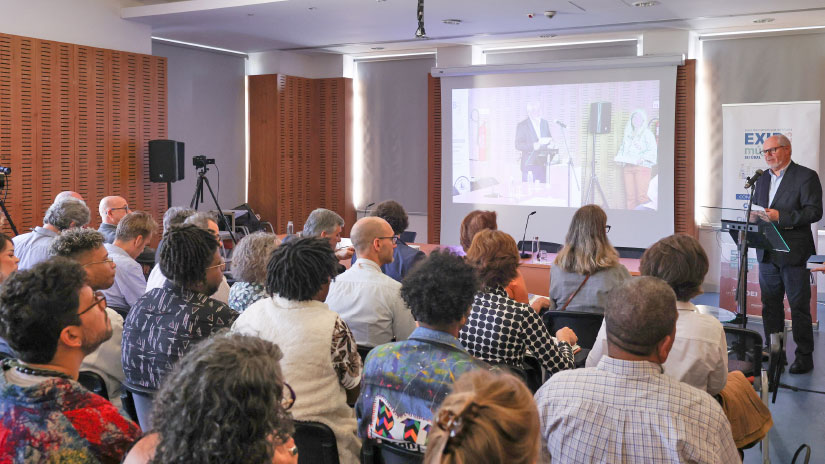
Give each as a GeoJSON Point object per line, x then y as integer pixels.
{"type": "Point", "coordinates": [501, 329]}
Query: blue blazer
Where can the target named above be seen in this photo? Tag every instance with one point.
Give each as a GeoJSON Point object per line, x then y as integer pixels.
{"type": "Point", "coordinates": [403, 259]}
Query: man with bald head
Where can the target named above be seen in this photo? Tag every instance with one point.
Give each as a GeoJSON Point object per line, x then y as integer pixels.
{"type": "Point", "coordinates": [366, 299]}
{"type": "Point", "coordinates": [603, 413]}
{"type": "Point", "coordinates": [111, 209]}
{"type": "Point", "coordinates": [792, 197]}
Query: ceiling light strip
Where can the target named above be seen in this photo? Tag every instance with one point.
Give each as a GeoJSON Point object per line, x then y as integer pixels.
{"type": "Point", "coordinates": [395, 55]}
{"type": "Point", "coordinates": [760, 31]}
{"type": "Point", "coordinates": [554, 44]}
{"type": "Point", "coordinates": [195, 45]}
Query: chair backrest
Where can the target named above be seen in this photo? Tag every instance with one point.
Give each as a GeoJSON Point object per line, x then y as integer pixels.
{"type": "Point", "coordinates": [316, 443]}
{"type": "Point", "coordinates": [630, 252]}
{"type": "Point", "coordinates": [408, 236]}
{"type": "Point", "coordinates": [744, 350]}
{"type": "Point", "coordinates": [375, 452]}
{"type": "Point", "coordinates": [530, 376]}
{"type": "Point", "coordinates": [142, 398]}
{"type": "Point", "coordinates": [550, 247]}
{"type": "Point", "coordinates": [93, 382]}
{"type": "Point", "coordinates": [363, 351]}
{"type": "Point", "coordinates": [585, 325]}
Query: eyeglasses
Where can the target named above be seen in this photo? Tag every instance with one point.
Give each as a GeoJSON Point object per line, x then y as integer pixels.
{"type": "Point", "coordinates": [107, 260]}
{"type": "Point", "coordinates": [287, 403]}
{"type": "Point", "coordinates": [394, 239]}
{"type": "Point", "coordinates": [99, 297]}
{"type": "Point", "coordinates": [221, 265]}
{"type": "Point", "coordinates": [770, 151]}
{"type": "Point", "coordinates": [126, 208]}
{"type": "Point", "coordinates": [607, 228]}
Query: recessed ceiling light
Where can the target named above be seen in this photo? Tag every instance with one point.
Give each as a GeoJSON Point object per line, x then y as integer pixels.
{"type": "Point", "coordinates": [376, 48]}
{"type": "Point", "coordinates": [763, 20]}
{"type": "Point", "coordinates": [646, 4]}
{"type": "Point", "coordinates": [250, 14]}
{"type": "Point", "coordinates": [547, 36]}
{"type": "Point", "coordinates": [453, 22]}
{"type": "Point", "coordinates": [312, 8]}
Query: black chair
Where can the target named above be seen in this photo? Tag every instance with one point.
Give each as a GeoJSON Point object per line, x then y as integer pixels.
{"type": "Point", "coordinates": [408, 236]}
{"type": "Point", "coordinates": [376, 452]}
{"type": "Point", "coordinates": [744, 351]}
{"type": "Point", "coordinates": [142, 398]}
{"type": "Point", "coordinates": [93, 382]}
{"type": "Point", "coordinates": [585, 325]}
{"type": "Point", "coordinates": [363, 351]}
{"type": "Point", "coordinates": [530, 376]}
{"type": "Point", "coordinates": [630, 252]}
{"type": "Point", "coordinates": [316, 443]}
{"type": "Point", "coordinates": [550, 247]}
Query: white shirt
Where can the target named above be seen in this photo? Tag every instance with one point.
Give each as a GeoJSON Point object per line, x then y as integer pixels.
{"type": "Point", "coordinates": [699, 356]}
{"type": "Point", "coordinates": [157, 279]}
{"type": "Point", "coordinates": [129, 281]}
{"type": "Point", "coordinates": [105, 360]}
{"type": "Point", "coordinates": [370, 303]}
{"type": "Point", "coordinates": [776, 179]}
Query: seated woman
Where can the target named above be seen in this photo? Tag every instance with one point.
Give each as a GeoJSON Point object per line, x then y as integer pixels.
{"type": "Point", "coordinates": [488, 418]}
{"type": "Point", "coordinates": [500, 329]}
{"type": "Point", "coordinates": [587, 268]}
{"type": "Point", "coordinates": [321, 359]}
{"type": "Point", "coordinates": [225, 402]}
{"type": "Point", "coordinates": [249, 260]}
{"type": "Point", "coordinates": [699, 356]}
{"type": "Point", "coordinates": [8, 264]}
{"type": "Point", "coordinates": [479, 220]}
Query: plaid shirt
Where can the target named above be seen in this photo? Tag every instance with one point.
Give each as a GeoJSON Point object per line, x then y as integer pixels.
{"type": "Point", "coordinates": [630, 411]}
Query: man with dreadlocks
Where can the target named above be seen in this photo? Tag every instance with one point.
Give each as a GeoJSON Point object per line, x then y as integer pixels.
{"type": "Point", "coordinates": [167, 321]}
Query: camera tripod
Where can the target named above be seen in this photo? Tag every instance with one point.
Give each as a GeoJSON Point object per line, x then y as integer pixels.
{"type": "Point", "coordinates": [3, 201]}
{"type": "Point", "coordinates": [198, 198]}
{"type": "Point", "coordinates": [590, 193]}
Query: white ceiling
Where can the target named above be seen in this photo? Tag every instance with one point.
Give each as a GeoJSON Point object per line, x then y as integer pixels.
{"type": "Point", "coordinates": [355, 26]}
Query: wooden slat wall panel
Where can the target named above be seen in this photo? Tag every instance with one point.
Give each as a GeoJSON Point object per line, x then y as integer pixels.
{"type": "Point", "coordinates": [434, 159]}
{"type": "Point", "coordinates": [684, 151]}
{"type": "Point", "coordinates": [78, 118]}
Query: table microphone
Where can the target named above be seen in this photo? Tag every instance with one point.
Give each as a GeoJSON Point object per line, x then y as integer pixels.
{"type": "Point", "coordinates": [367, 208]}
{"type": "Point", "coordinates": [523, 254]}
{"type": "Point", "coordinates": [561, 124]}
{"type": "Point", "coordinates": [752, 179]}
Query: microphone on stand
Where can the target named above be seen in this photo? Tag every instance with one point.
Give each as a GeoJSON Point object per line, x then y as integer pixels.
{"type": "Point", "coordinates": [751, 181]}
{"type": "Point", "coordinates": [561, 124]}
{"type": "Point", "coordinates": [367, 208]}
{"type": "Point", "coordinates": [523, 254]}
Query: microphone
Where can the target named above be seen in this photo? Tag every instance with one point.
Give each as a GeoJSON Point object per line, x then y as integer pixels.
{"type": "Point", "coordinates": [523, 254]}
{"type": "Point", "coordinates": [752, 179]}
{"type": "Point", "coordinates": [367, 208]}
{"type": "Point", "coordinates": [563, 125]}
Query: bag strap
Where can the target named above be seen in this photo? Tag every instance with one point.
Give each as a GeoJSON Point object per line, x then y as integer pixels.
{"type": "Point", "coordinates": [575, 293]}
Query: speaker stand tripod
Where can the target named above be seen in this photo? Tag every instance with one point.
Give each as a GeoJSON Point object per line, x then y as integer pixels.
{"type": "Point", "coordinates": [198, 198]}
{"type": "Point", "coordinates": [594, 185]}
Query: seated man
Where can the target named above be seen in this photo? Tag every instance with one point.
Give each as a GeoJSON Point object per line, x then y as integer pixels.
{"type": "Point", "coordinates": [205, 221]}
{"type": "Point", "coordinates": [52, 319]}
{"type": "Point", "coordinates": [111, 209]}
{"type": "Point", "coordinates": [404, 257]}
{"type": "Point", "coordinates": [133, 232]}
{"type": "Point", "coordinates": [405, 382]}
{"type": "Point", "coordinates": [85, 246]}
{"type": "Point", "coordinates": [165, 322]}
{"type": "Point", "coordinates": [328, 225]}
{"type": "Point", "coordinates": [626, 409]}
{"type": "Point", "coordinates": [33, 247]}
{"type": "Point", "coordinates": [699, 356]}
{"type": "Point", "coordinates": [367, 300]}
{"type": "Point", "coordinates": [174, 216]}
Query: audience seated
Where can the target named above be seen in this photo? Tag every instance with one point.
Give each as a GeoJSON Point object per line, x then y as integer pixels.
{"type": "Point", "coordinates": [174, 216]}
{"type": "Point", "coordinates": [133, 232]}
{"type": "Point", "coordinates": [167, 322]}
{"type": "Point", "coordinates": [328, 225]}
{"type": "Point", "coordinates": [404, 257]}
{"type": "Point", "coordinates": [626, 409]}
{"type": "Point", "coordinates": [477, 221]}
{"type": "Point", "coordinates": [249, 259]}
{"type": "Point", "coordinates": [225, 402]}
{"type": "Point", "coordinates": [8, 264]}
{"type": "Point", "coordinates": [85, 246]}
{"type": "Point", "coordinates": [699, 356]}
{"type": "Point", "coordinates": [321, 360]}
{"type": "Point", "coordinates": [68, 194]}
{"type": "Point", "coordinates": [487, 419]}
{"type": "Point", "coordinates": [111, 209]}
{"type": "Point", "coordinates": [405, 382]}
{"type": "Point", "coordinates": [366, 299]}
{"type": "Point", "coordinates": [52, 319]}
{"type": "Point", "coordinates": [499, 328]}
{"type": "Point", "coordinates": [587, 268]}
{"type": "Point", "coordinates": [205, 221]}
{"type": "Point", "coordinates": [33, 247]}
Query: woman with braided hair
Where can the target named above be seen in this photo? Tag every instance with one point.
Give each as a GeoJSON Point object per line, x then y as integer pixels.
{"type": "Point", "coordinates": [488, 418]}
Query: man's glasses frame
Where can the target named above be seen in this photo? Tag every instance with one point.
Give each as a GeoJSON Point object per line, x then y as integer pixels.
{"type": "Point", "coordinates": [99, 296]}
{"type": "Point", "coordinates": [394, 238]}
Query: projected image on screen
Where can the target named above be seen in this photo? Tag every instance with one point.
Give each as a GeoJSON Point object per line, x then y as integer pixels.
{"type": "Point", "coordinates": [557, 145]}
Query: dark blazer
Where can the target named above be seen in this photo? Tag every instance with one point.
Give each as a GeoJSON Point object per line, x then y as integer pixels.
{"type": "Point", "coordinates": [403, 259]}
{"type": "Point", "coordinates": [799, 202]}
{"type": "Point", "coordinates": [525, 138]}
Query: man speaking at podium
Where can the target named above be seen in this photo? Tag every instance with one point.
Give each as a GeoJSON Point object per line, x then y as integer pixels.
{"type": "Point", "coordinates": [792, 197]}
{"type": "Point", "coordinates": [533, 140]}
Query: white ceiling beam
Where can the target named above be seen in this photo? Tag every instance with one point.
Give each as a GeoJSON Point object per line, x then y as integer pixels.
{"type": "Point", "coordinates": [187, 6]}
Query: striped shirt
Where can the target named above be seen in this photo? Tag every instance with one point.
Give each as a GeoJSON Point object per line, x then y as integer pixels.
{"type": "Point", "coordinates": [630, 411]}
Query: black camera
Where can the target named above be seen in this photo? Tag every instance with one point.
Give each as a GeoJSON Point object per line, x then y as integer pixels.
{"type": "Point", "coordinates": [5, 170]}
{"type": "Point", "coordinates": [201, 162]}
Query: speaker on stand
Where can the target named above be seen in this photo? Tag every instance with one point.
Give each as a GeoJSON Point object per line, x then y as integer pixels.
{"type": "Point", "coordinates": [166, 164]}
{"type": "Point", "coordinates": [600, 117]}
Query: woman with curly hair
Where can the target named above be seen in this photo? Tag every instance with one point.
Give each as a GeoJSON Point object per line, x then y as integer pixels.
{"type": "Point", "coordinates": [488, 418]}
{"type": "Point", "coordinates": [500, 329]}
{"type": "Point", "coordinates": [225, 402]}
{"type": "Point", "coordinates": [587, 268]}
{"type": "Point", "coordinates": [249, 260]}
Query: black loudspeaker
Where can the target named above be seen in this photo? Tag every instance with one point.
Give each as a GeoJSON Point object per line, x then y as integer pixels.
{"type": "Point", "coordinates": [165, 161]}
{"type": "Point", "coordinates": [600, 117]}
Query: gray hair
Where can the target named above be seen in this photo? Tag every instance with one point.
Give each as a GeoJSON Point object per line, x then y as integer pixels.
{"type": "Point", "coordinates": [76, 241]}
{"type": "Point", "coordinates": [321, 220]}
{"type": "Point", "coordinates": [175, 216]}
{"type": "Point", "coordinates": [251, 255]}
{"type": "Point", "coordinates": [134, 224]}
{"type": "Point", "coordinates": [67, 213]}
{"type": "Point", "coordinates": [783, 140]}
{"type": "Point", "coordinates": [201, 219]}
{"type": "Point", "coordinates": [639, 314]}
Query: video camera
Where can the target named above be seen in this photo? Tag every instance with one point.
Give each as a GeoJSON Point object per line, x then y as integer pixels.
{"type": "Point", "coordinates": [201, 162]}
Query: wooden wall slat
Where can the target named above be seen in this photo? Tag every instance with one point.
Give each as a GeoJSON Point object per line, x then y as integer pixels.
{"type": "Point", "coordinates": [684, 195]}
{"type": "Point", "coordinates": [434, 159]}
